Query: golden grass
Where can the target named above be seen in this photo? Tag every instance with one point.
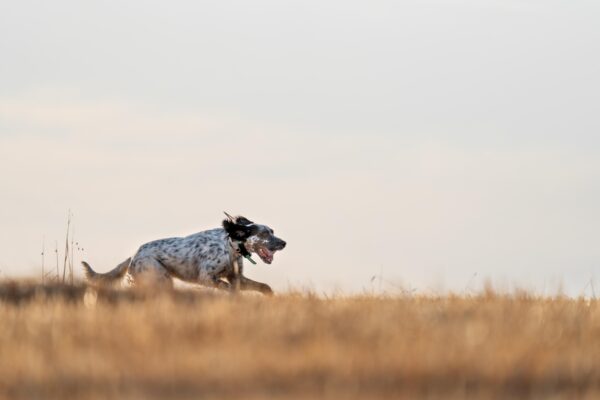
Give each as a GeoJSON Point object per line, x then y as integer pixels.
{"type": "Point", "coordinates": [72, 342]}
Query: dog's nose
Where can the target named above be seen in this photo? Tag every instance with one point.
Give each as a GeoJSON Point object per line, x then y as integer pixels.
{"type": "Point", "coordinates": [283, 243]}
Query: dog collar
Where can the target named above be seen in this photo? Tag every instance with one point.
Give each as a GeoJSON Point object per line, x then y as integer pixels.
{"type": "Point", "coordinates": [241, 249]}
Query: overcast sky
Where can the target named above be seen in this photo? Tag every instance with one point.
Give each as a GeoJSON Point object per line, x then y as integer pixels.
{"type": "Point", "coordinates": [435, 143]}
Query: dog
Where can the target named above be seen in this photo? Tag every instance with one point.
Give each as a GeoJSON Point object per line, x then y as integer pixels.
{"type": "Point", "coordinates": [211, 258]}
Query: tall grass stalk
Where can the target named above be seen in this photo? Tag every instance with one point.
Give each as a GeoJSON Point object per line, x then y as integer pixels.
{"type": "Point", "coordinates": [43, 256]}
{"type": "Point", "coordinates": [66, 258]}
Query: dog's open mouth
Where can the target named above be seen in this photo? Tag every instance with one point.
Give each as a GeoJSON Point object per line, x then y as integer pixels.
{"type": "Point", "coordinates": [266, 255]}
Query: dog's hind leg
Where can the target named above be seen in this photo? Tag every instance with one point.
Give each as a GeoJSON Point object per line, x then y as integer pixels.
{"type": "Point", "coordinates": [149, 272]}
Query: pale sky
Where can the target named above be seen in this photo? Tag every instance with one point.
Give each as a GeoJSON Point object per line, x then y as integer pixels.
{"type": "Point", "coordinates": [438, 143]}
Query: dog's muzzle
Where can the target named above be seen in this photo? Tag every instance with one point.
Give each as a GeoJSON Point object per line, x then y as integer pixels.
{"type": "Point", "coordinates": [279, 244]}
{"type": "Point", "coordinates": [266, 253]}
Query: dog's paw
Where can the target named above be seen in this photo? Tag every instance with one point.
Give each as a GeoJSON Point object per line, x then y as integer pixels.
{"type": "Point", "coordinates": [266, 290]}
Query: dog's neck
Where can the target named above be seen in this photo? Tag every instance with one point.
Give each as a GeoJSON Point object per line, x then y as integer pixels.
{"type": "Point", "coordinates": [240, 249]}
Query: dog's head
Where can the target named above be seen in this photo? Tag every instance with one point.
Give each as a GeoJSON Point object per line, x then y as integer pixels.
{"type": "Point", "coordinates": [256, 238]}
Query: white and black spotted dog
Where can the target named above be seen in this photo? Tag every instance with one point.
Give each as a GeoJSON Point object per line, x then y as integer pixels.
{"type": "Point", "coordinates": [211, 258]}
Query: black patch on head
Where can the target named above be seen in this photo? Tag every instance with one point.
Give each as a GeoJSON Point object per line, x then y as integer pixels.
{"type": "Point", "coordinates": [237, 231]}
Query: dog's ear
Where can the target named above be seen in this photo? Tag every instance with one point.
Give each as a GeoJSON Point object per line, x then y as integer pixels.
{"type": "Point", "coordinates": [243, 221]}
{"type": "Point", "coordinates": [229, 217]}
{"type": "Point", "coordinates": [238, 220]}
{"type": "Point", "coordinates": [238, 231]}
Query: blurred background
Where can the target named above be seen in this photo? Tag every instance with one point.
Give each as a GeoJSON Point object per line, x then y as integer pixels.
{"type": "Point", "coordinates": [429, 144]}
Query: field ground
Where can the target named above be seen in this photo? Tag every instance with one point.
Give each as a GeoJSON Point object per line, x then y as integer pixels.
{"type": "Point", "coordinates": [61, 342]}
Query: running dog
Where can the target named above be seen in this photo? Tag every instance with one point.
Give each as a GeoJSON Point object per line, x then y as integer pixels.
{"type": "Point", "coordinates": [211, 258]}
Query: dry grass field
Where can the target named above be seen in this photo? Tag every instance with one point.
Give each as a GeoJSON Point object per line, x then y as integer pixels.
{"type": "Point", "coordinates": [72, 342]}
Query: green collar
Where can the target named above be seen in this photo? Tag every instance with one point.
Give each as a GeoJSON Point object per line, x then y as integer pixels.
{"type": "Point", "coordinates": [241, 249]}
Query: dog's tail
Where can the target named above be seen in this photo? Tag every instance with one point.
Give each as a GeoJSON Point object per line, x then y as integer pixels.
{"type": "Point", "coordinates": [109, 277]}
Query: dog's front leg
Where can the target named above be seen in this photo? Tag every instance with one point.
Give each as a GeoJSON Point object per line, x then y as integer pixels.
{"type": "Point", "coordinates": [249, 284]}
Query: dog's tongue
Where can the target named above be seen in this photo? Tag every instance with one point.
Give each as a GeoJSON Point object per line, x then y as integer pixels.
{"type": "Point", "coordinates": [266, 255]}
